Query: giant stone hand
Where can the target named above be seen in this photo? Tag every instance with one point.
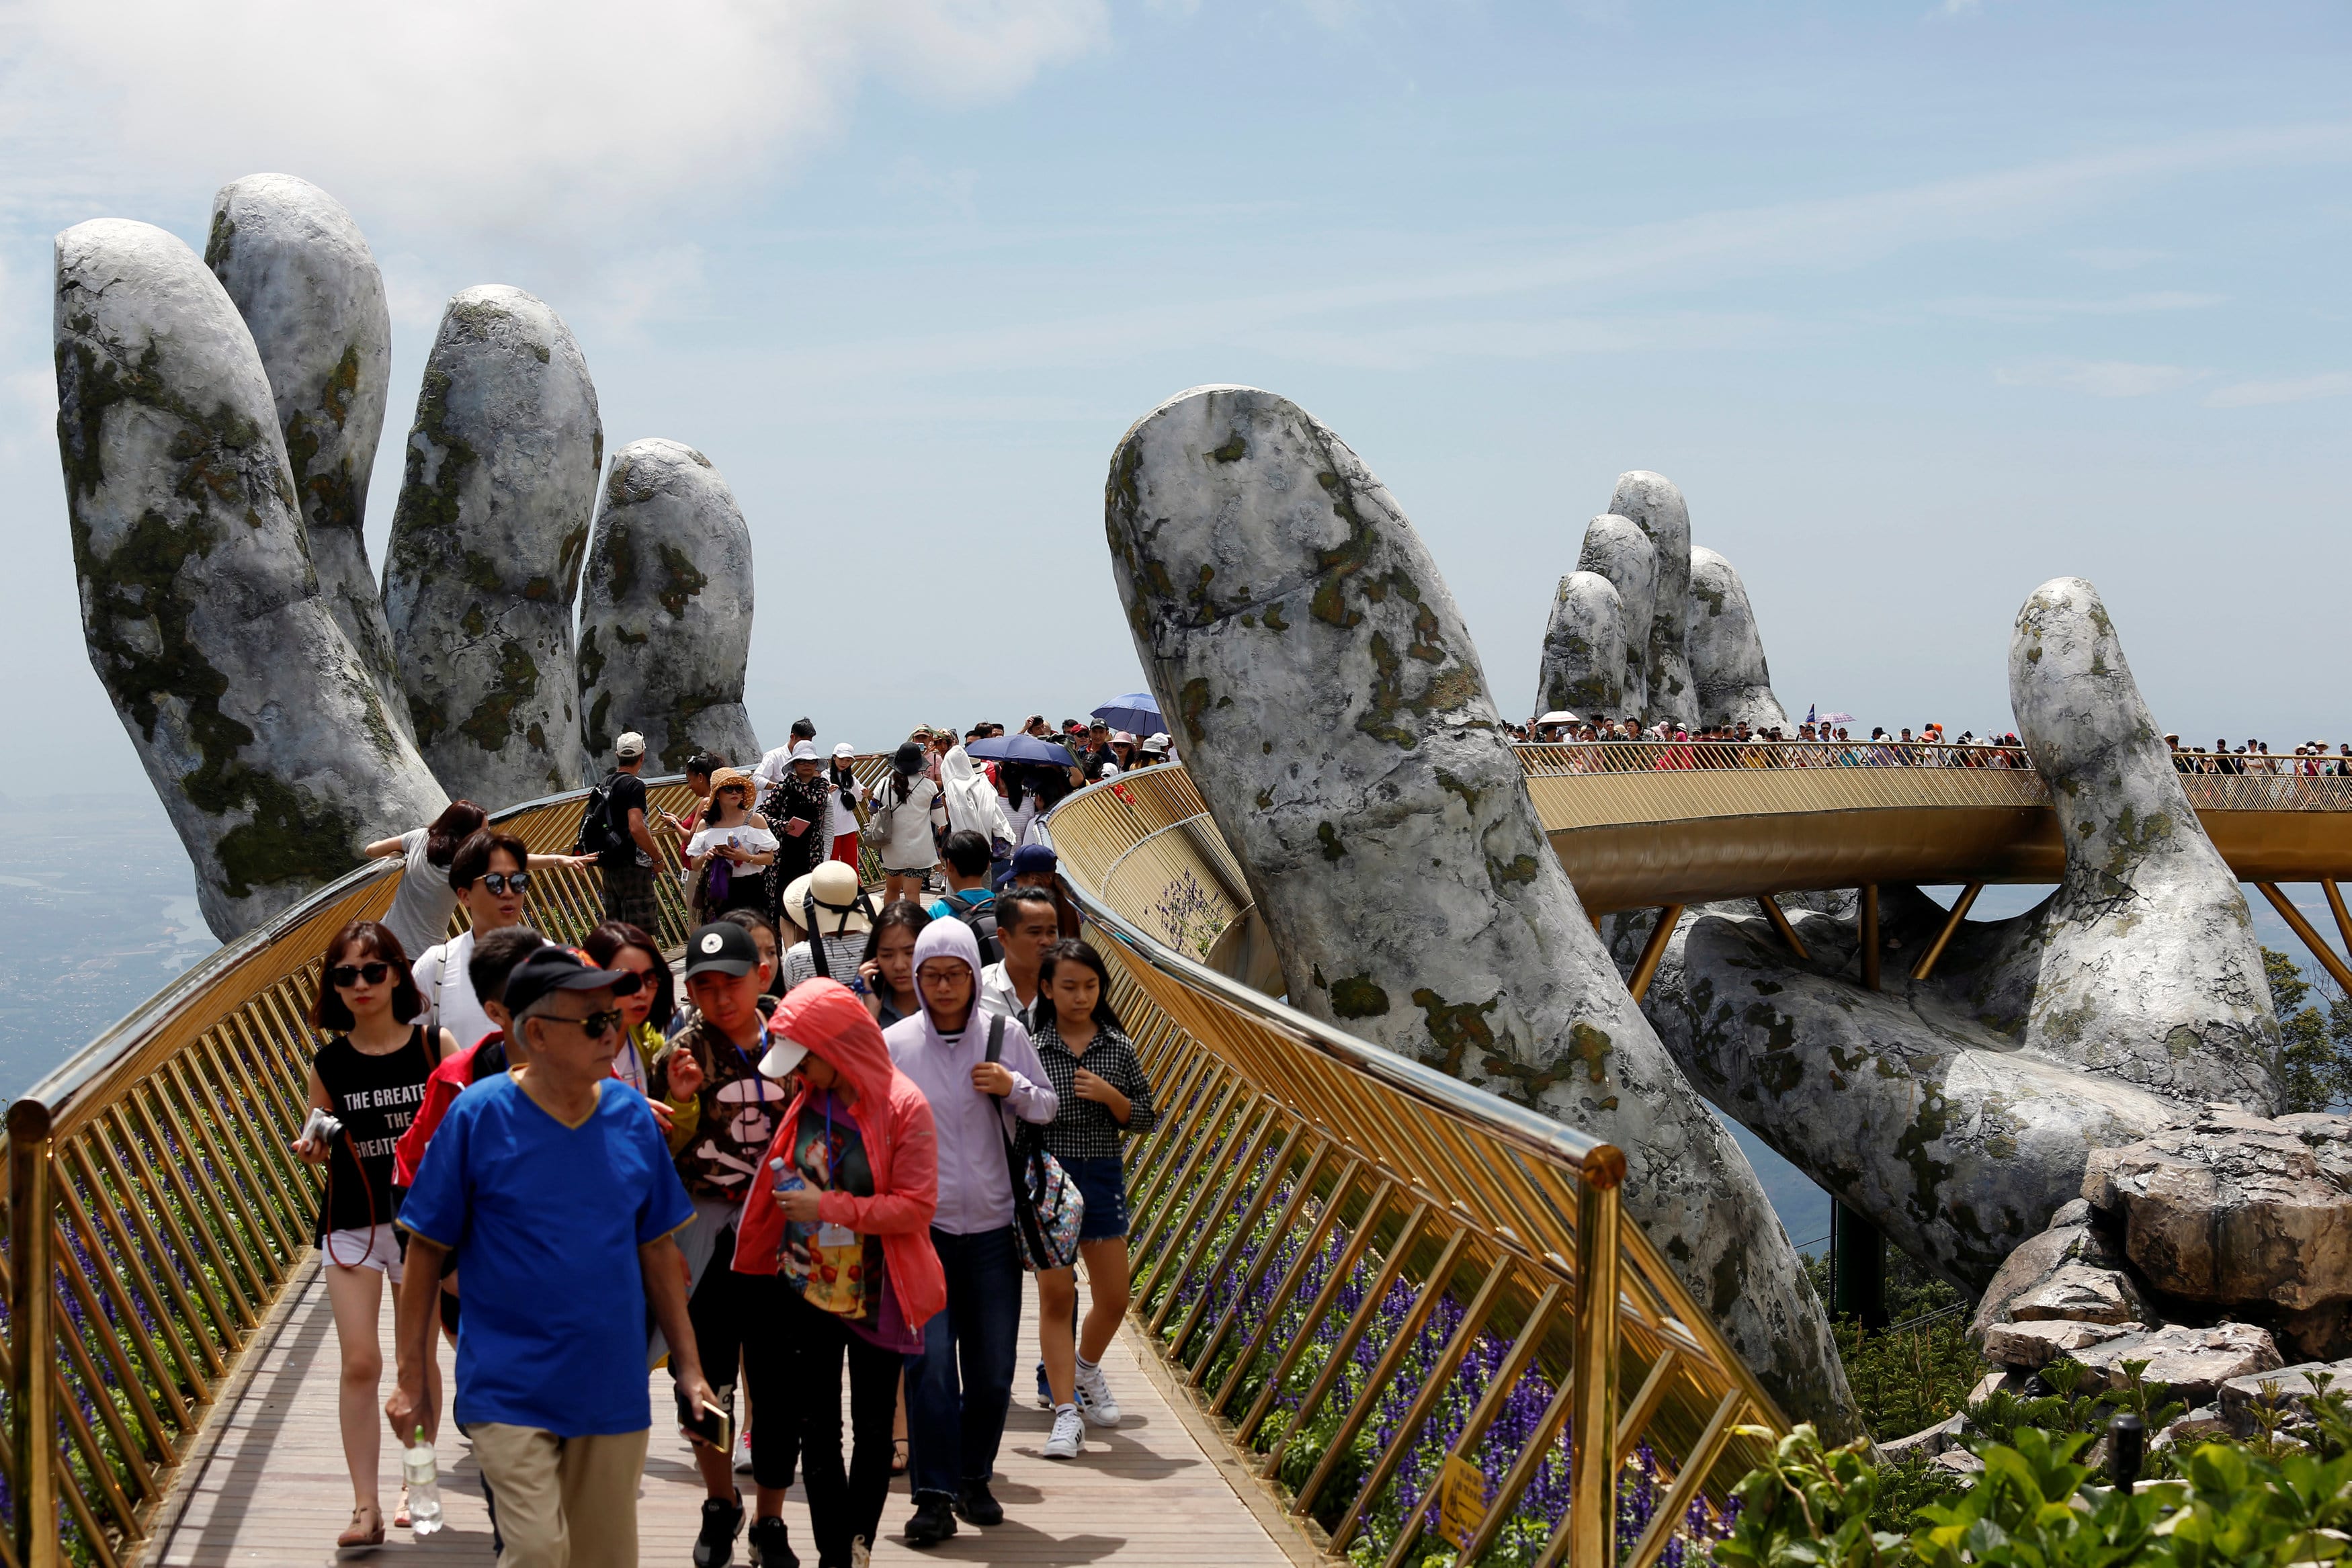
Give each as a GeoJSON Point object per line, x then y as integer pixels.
{"type": "Point", "coordinates": [1334, 716]}
{"type": "Point", "coordinates": [260, 726]}
{"type": "Point", "coordinates": [1959, 1113]}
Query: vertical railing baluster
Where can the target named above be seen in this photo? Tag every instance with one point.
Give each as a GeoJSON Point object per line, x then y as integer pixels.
{"type": "Point", "coordinates": [32, 1427]}
{"type": "Point", "coordinates": [1592, 1449]}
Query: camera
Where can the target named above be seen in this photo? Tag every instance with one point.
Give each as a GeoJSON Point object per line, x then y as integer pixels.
{"type": "Point", "coordinates": [320, 1129]}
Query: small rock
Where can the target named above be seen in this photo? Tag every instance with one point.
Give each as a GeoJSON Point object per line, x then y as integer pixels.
{"type": "Point", "coordinates": [2193, 1362]}
{"type": "Point", "coordinates": [2083, 1295]}
{"type": "Point", "coordinates": [1957, 1462]}
{"type": "Point", "coordinates": [2010, 1378]}
{"type": "Point", "coordinates": [2034, 1344]}
{"type": "Point", "coordinates": [2201, 1425]}
{"type": "Point", "coordinates": [1934, 1440]}
{"type": "Point", "coordinates": [2037, 1261]}
{"type": "Point", "coordinates": [2241, 1396]}
{"type": "Point", "coordinates": [2235, 1209]}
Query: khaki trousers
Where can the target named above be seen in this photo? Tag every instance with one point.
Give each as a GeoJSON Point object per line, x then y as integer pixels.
{"type": "Point", "coordinates": [563, 1502]}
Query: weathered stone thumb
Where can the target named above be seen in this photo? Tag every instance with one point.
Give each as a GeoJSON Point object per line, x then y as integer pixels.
{"type": "Point", "coordinates": [2144, 966]}
{"type": "Point", "coordinates": [1727, 652]}
{"type": "Point", "coordinates": [1332, 711]}
{"type": "Point", "coordinates": [1583, 668]}
{"type": "Point", "coordinates": [665, 611]}
{"type": "Point", "coordinates": [257, 723]}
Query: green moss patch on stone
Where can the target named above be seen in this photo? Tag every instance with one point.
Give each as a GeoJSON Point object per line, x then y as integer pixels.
{"type": "Point", "coordinates": [1356, 997]}
{"type": "Point", "coordinates": [1456, 1028]}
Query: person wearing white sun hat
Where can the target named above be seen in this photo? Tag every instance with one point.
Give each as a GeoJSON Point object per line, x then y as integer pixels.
{"type": "Point", "coordinates": [841, 777]}
{"type": "Point", "coordinates": [829, 905]}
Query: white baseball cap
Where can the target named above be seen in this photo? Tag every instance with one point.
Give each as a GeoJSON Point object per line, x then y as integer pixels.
{"type": "Point", "coordinates": [782, 1056]}
{"type": "Point", "coordinates": [843, 751]}
{"type": "Point", "coordinates": [630, 745]}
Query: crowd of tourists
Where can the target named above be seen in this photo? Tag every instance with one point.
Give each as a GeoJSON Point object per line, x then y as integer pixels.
{"type": "Point", "coordinates": [1620, 745]}
{"type": "Point", "coordinates": [828, 1147]}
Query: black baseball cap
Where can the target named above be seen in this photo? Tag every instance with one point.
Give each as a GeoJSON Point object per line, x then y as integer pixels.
{"type": "Point", "coordinates": [722, 946]}
{"type": "Point", "coordinates": [560, 969]}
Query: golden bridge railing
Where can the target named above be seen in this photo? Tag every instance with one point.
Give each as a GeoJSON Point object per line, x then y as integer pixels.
{"type": "Point", "coordinates": [155, 1211]}
{"type": "Point", "coordinates": [1413, 1304]}
{"type": "Point", "coordinates": [2263, 782]}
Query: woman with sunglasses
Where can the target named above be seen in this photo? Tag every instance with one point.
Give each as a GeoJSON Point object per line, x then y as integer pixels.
{"type": "Point", "coordinates": [730, 852]}
{"type": "Point", "coordinates": [619, 946]}
{"type": "Point", "coordinates": [490, 873]}
{"type": "Point", "coordinates": [370, 1076]}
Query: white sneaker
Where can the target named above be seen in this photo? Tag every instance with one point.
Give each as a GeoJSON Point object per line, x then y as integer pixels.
{"type": "Point", "coordinates": [744, 1455]}
{"type": "Point", "coordinates": [1095, 1397]}
{"type": "Point", "coordinates": [1069, 1434]}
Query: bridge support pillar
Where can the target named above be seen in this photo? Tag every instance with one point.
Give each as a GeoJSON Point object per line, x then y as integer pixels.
{"type": "Point", "coordinates": [1857, 1268]}
{"type": "Point", "coordinates": [1870, 936]}
{"type": "Point", "coordinates": [1646, 966]}
{"type": "Point", "coordinates": [1951, 923]}
{"type": "Point", "coordinates": [2311, 938]}
{"type": "Point", "coordinates": [1780, 919]}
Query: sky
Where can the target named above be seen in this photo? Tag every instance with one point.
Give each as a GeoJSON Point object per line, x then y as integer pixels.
{"type": "Point", "coordinates": [1921, 304]}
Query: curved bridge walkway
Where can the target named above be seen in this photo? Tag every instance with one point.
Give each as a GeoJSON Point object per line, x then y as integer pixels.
{"type": "Point", "coordinates": [267, 1485]}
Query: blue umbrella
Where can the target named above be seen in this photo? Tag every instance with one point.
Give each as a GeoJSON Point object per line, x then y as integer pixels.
{"type": "Point", "coordinates": [1019, 748]}
{"type": "Point", "coordinates": [1138, 712]}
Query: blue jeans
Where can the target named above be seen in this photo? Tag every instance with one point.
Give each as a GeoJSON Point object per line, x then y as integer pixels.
{"type": "Point", "coordinates": [960, 1385]}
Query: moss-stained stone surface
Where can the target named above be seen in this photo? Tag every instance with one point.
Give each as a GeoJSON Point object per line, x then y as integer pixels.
{"type": "Point", "coordinates": [666, 609]}
{"type": "Point", "coordinates": [487, 543]}
{"type": "Point", "coordinates": [1959, 1113]}
{"type": "Point", "coordinates": [300, 274]}
{"type": "Point", "coordinates": [1727, 652]}
{"type": "Point", "coordinates": [1584, 667]}
{"type": "Point", "coordinates": [1618, 550]}
{"type": "Point", "coordinates": [257, 723]}
{"type": "Point", "coordinates": [1651, 503]}
{"type": "Point", "coordinates": [1366, 726]}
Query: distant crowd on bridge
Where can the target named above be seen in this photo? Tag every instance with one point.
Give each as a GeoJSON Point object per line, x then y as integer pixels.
{"type": "Point", "coordinates": [868, 1114]}
{"type": "Point", "coordinates": [1627, 746]}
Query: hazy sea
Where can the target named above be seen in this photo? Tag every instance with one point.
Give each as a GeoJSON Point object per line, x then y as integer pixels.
{"type": "Point", "coordinates": [98, 910]}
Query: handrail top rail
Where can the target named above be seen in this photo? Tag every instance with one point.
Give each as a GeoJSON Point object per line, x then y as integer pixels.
{"type": "Point", "coordinates": [57, 1089]}
{"type": "Point", "coordinates": [1515, 1125]}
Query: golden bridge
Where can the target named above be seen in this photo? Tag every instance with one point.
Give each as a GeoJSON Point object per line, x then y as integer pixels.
{"type": "Point", "coordinates": [1376, 1312]}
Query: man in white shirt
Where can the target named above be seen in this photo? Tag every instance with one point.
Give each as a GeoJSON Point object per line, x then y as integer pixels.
{"type": "Point", "coordinates": [1026, 925]}
{"type": "Point", "coordinates": [776, 766]}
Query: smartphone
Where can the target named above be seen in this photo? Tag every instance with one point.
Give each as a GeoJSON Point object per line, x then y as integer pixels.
{"type": "Point", "coordinates": [710, 1424]}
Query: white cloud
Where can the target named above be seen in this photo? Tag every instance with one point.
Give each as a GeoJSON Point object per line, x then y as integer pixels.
{"type": "Point", "coordinates": [2099, 378]}
{"type": "Point", "coordinates": [506, 115]}
{"type": "Point", "coordinates": [2032, 311]}
{"type": "Point", "coordinates": [2256, 394]}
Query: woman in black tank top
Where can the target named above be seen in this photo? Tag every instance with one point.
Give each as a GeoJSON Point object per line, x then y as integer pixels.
{"type": "Point", "coordinates": [371, 1078]}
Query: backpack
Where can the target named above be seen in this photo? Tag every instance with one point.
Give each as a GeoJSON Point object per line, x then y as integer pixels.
{"type": "Point", "coordinates": [596, 834]}
{"type": "Point", "coordinates": [981, 918]}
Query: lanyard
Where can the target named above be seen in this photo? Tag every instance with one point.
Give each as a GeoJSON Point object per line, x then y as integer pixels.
{"type": "Point", "coordinates": [759, 1084]}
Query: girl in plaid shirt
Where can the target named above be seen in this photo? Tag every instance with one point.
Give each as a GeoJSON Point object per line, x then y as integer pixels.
{"type": "Point", "coordinates": [1104, 1098]}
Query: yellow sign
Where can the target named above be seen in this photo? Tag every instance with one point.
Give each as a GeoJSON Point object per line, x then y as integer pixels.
{"type": "Point", "coordinates": [1461, 1501]}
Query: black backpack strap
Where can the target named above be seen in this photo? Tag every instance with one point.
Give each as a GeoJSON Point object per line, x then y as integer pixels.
{"type": "Point", "coordinates": [995, 1037]}
{"type": "Point", "coordinates": [816, 936]}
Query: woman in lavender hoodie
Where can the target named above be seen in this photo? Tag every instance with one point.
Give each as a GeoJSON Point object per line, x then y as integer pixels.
{"type": "Point", "coordinates": [960, 1385]}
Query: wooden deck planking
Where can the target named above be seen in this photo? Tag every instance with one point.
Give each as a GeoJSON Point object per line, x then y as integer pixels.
{"type": "Point", "coordinates": [269, 1486]}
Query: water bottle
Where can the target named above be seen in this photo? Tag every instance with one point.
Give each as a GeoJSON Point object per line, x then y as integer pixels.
{"type": "Point", "coordinates": [424, 1486]}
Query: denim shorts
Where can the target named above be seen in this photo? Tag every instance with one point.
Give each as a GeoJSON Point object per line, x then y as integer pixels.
{"type": "Point", "coordinates": [1103, 1184]}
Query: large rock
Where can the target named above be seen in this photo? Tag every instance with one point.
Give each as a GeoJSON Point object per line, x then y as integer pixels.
{"type": "Point", "coordinates": [2036, 1344]}
{"type": "Point", "coordinates": [2193, 1362]}
{"type": "Point", "coordinates": [2144, 967]}
{"type": "Point", "coordinates": [666, 609]}
{"type": "Point", "coordinates": [487, 544]}
{"type": "Point", "coordinates": [1616, 548]}
{"type": "Point", "coordinates": [2075, 1293]}
{"type": "Point", "coordinates": [257, 723]}
{"type": "Point", "coordinates": [1727, 652]}
{"type": "Point", "coordinates": [2287, 1389]}
{"type": "Point", "coordinates": [1653, 504]}
{"type": "Point", "coordinates": [1583, 667]}
{"type": "Point", "coordinates": [300, 274]}
{"type": "Point", "coordinates": [2235, 1209]}
{"type": "Point", "coordinates": [2072, 1240]}
{"type": "Point", "coordinates": [1327, 698]}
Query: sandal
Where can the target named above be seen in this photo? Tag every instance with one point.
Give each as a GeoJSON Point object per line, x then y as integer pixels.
{"type": "Point", "coordinates": [897, 1456]}
{"type": "Point", "coordinates": [357, 1537]}
{"type": "Point", "coordinates": [400, 1520]}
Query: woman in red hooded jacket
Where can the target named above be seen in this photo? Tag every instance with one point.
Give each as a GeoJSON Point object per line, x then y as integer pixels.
{"type": "Point", "coordinates": [842, 1225]}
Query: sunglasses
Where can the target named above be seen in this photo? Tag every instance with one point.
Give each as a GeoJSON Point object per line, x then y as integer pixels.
{"type": "Point", "coordinates": [593, 1026]}
{"type": "Point", "coordinates": [352, 974]}
{"type": "Point", "coordinates": [502, 881]}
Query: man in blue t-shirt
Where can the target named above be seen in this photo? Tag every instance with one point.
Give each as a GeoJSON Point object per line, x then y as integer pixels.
{"type": "Point", "coordinates": [554, 1185]}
